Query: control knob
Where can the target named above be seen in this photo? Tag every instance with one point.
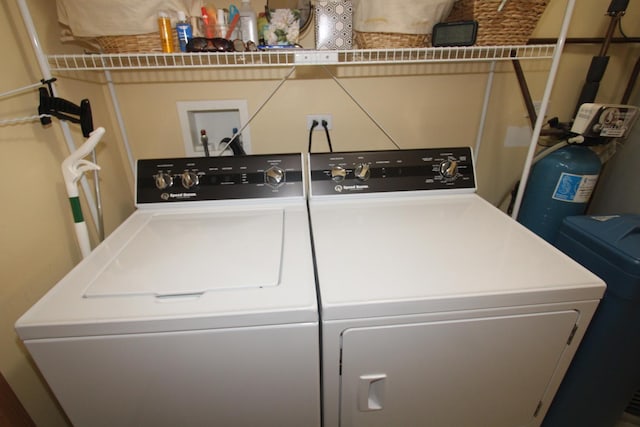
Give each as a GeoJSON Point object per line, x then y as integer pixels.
{"type": "Point", "coordinates": [338, 173]}
{"type": "Point", "coordinates": [449, 168]}
{"type": "Point", "coordinates": [163, 180]}
{"type": "Point", "coordinates": [274, 176]}
{"type": "Point", "coordinates": [189, 179]}
{"type": "Point", "coordinates": [362, 171]}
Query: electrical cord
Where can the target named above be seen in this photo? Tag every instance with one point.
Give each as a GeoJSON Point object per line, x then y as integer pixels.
{"type": "Point", "coordinates": [313, 126]}
{"type": "Point", "coordinates": [325, 125]}
{"type": "Point", "coordinates": [236, 147]}
{"type": "Point", "coordinates": [234, 144]}
{"type": "Point", "coordinates": [620, 28]}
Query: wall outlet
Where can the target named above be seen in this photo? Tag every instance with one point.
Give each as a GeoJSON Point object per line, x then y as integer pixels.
{"type": "Point", "coordinates": [319, 118]}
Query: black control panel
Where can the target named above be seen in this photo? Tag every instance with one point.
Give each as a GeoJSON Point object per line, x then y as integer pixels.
{"type": "Point", "coordinates": [393, 170]}
{"type": "Point", "coordinates": [219, 178]}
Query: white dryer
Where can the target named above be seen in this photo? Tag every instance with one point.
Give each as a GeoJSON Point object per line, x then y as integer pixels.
{"type": "Point", "coordinates": [436, 308]}
{"type": "Point", "coordinates": [199, 310]}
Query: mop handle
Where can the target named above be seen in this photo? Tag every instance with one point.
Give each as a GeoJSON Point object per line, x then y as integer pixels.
{"type": "Point", "coordinates": [72, 169]}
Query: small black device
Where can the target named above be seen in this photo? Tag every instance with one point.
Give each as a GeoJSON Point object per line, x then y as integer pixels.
{"type": "Point", "coordinates": [462, 33]}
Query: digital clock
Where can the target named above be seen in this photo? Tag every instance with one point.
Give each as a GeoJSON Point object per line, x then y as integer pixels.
{"type": "Point", "coordinates": [461, 33]}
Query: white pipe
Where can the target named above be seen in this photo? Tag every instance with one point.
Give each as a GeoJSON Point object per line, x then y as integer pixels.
{"type": "Point", "coordinates": [485, 107]}
{"type": "Point", "coordinates": [35, 42]}
{"type": "Point", "coordinates": [548, 151]}
{"type": "Point", "coordinates": [19, 90]}
{"type": "Point", "coordinates": [96, 180]}
{"type": "Point", "coordinates": [120, 120]}
{"type": "Point", "coordinates": [543, 107]}
{"type": "Point", "coordinates": [46, 73]}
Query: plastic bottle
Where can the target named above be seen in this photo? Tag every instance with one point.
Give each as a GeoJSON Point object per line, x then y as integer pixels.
{"type": "Point", "coordinates": [248, 22]}
{"type": "Point", "coordinates": [222, 24]}
{"type": "Point", "coordinates": [166, 36]}
{"type": "Point", "coordinates": [184, 30]}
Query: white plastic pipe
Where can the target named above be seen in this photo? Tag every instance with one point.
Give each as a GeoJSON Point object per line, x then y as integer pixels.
{"type": "Point", "coordinates": [485, 107]}
{"type": "Point", "coordinates": [120, 120]}
{"type": "Point", "coordinates": [543, 107]}
{"type": "Point", "coordinates": [21, 89]}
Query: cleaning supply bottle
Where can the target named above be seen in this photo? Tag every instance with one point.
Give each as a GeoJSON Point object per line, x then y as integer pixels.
{"type": "Point", "coordinates": [222, 24]}
{"type": "Point", "coordinates": [166, 35]}
{"type": "Point", "coordinates": [248, 22]}
{"type": "Point", "coordinates": [184, 30]}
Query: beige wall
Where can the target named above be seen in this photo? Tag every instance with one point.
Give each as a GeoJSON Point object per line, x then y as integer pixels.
{"type": "Point", "coordinates": [420, 106]}
{"type": "Point", "coordinates": [37, 238]}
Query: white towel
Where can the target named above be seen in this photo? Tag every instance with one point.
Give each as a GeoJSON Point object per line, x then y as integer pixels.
{"type": "Point", "coordinates": [94, 18]}
{"type": "Point", "coordinates": [399, 16]}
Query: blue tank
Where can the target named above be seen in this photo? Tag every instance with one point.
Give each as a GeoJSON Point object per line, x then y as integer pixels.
{"type": "Point", "coordinates": [559, 185]}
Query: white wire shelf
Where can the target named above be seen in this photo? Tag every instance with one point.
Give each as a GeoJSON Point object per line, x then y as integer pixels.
{"type": "Point", "coordinates": [296, 57]}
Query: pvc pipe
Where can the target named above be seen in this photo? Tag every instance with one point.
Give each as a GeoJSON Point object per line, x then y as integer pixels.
{"type": "Point", "coordinates": [485, 108]}
{"type": "Point", "coordinates": [46, 73]}
{"type": "Point", "coordinates": [35, 42]}
{"type": "Point", "coordinates": [543, 107]}
{"type": "Point", "coordinates": [96, 180]}
{"type": "Point", "coordinates": [19, 90]}
{"type": "Point", "coordinates": [120, 120]}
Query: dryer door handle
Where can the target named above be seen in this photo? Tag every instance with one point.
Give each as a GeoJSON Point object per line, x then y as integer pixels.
{"type": "Point", "coordinates": [371, 392]}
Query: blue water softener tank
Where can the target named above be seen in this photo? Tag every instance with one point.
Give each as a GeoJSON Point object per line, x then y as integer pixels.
{"type": "Point", "coordinates": [559, 185]}
{"type": "Point", "coordinates": [605, 371]}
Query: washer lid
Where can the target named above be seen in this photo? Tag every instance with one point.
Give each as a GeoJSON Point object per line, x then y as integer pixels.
{"type": "Point", "coordinates": [176, 254]}
{"type": "Point", "coordinates": [205, 267]}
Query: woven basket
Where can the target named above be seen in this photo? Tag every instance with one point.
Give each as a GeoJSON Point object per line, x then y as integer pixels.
{"type": "Point", "coordinates": [511, 26]}
{"type": "Point", "coordinates": [390, 40]}
{"type": "Point", "coordinates": [137, 43]}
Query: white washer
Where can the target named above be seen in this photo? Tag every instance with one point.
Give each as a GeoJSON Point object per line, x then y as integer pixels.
{"type": "Point", "coordinates": [199, 310]}
{"type": "Point", "coordinates": [436, 308]}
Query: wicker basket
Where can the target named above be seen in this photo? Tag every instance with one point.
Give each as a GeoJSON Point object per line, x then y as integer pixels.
{"type": "Point", "coordinates": [376, 27]}
{"type": "Point", "coordinates": [390, 40]}
{"type": "Point", "coordinates": [511, 26]}
{"type": "Point", "coordinates": [137, 43]}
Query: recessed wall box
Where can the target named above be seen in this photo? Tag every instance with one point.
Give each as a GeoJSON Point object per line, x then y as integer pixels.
{"type": "Point", "coordinates": [218, 119]}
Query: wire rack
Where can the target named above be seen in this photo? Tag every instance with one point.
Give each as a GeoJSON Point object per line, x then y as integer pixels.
{"type": "Point", "coordinates": [296, 57]}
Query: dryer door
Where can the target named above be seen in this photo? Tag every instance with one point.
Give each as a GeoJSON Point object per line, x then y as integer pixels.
{"type": "Point", "coordinates": [488, 372]}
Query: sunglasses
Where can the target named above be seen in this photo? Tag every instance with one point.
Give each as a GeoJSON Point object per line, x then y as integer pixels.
{"type": "Point", "coordinates": [218, 44]}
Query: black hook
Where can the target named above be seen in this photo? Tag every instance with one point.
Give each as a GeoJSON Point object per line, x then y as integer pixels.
{"type": "Point", "coordinates": [65, 110]}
